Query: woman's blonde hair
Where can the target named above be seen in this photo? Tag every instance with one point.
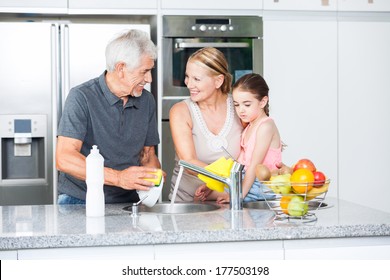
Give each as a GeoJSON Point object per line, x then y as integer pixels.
{"type": "Point", "coordinates": [214, 60]}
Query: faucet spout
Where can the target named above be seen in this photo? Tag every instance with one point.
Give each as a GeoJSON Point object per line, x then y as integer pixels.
{"type": "Point", "coordinates": [234, 181]}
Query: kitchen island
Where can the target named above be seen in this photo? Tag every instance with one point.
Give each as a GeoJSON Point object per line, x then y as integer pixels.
{"type": "Point", "coordinates": [342, 230]}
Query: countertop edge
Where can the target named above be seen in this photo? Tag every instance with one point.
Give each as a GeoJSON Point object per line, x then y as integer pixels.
{"type": "Point", "coordinates": [191, 236]}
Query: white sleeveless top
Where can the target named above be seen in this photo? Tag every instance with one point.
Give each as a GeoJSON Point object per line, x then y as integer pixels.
{"type": "Point", "coordinates": [208, 146]}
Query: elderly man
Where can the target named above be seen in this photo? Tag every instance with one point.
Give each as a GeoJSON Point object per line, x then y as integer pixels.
{"type": "Point", "coordinates": [116, 113]}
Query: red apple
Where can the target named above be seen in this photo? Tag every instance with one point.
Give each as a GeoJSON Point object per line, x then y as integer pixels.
{"type": "Point", "coordinates": [305, 164]}
{"type": "Point", "coordinates": [319, 179]}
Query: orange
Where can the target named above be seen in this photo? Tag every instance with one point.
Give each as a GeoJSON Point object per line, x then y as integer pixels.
{"type": "Point", "coordinates": [302, 180]}
{"type": "Point", "coordinates": [284, 201]}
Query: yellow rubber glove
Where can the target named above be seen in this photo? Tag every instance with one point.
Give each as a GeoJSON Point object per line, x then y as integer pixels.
{"type": "Point", "coordinates": [220, 167]}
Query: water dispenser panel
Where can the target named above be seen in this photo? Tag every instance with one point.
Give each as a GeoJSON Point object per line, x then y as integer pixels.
{"type": "Point", "coordinates": [22, 138]}
{"type": "Point", "coordinates": [23, 148]}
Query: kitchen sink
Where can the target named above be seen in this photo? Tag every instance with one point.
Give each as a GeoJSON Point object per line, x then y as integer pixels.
{"type": "Point", "coordinates": [313, 205]}
{"type": "Point", "coordinates": [177, 208]}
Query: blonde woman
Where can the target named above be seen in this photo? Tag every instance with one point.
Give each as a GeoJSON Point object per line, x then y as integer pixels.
{"type": "Point", "coordinates": [205, 122]}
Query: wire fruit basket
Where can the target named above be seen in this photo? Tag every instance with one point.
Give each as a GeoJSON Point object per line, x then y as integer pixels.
{"type": "Point", "coordinates": [294, 201]}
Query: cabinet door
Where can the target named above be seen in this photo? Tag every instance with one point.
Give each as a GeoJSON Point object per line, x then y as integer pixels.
{"type": "Point", "coordinates": [300, 67]}
{"type": "Point", "coordinates": [215, 4]}
{"type": "Point", "coordinates": [364, 115]}
{"type": "Point", "coordinates": [300, 5]}
{"type": "Point", "coordinates": [245, 250]}
{"type": "Point", "coordinates": [34, 4]}
{"type": "Point", "coordinates": [364, 5]}
{"type": "Point", "coordinates": [360, 248]}
{"type": "Point", "coordinates": [8, 255]}
{"type": "Point", "coordinates": [112, 4]}
{"type": "Point", "coordinates": [138, 252]}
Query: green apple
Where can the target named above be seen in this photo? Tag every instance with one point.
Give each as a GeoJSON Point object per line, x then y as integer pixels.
{"type": "Point", "coordinates": [280, 184]}
{"type": "Point", "coordinates": [297, 206]}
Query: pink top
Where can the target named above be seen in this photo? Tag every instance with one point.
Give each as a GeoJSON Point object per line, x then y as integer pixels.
{"type": "Point", "coordinates": [273, 156]}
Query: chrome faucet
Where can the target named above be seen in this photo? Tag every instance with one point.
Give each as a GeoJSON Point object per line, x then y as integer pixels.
{"type": "Point", "coordinates": [234, 181]}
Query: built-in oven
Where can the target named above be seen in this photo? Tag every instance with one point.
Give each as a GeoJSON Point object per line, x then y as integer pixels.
{"type": "Point", "coordinates": [238, 37]}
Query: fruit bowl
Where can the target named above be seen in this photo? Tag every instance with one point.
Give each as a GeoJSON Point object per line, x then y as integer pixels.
{"type": "Point", "coordinates": [293, 200]}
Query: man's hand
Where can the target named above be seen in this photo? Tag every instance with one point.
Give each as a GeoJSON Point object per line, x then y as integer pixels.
{"type": "Point", "coordinates": [133, 178]}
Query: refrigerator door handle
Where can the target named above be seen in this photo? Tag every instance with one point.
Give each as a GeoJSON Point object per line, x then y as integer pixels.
{"type": "Point", "coordinates": [55, 73]}
{"type": "Point", "coordinates": [56, 98]}
{"type": "Point", "coordinates": [64, 31]}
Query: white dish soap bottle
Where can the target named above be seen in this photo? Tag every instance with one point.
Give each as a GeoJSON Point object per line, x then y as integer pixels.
{"type": "Point", "coordinates": [95, 203]}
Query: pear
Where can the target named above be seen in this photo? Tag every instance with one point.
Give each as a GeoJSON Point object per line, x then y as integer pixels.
{"type": "Point", "coordinates": [280, 184]}
{"type": "Point", "coordinates": [297, 206]}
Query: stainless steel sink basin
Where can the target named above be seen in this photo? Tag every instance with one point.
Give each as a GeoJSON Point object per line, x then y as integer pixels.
{"type": "Point", "coordinates": [313, 205]}
{"type": "Point", "coordinates": [177, 208]}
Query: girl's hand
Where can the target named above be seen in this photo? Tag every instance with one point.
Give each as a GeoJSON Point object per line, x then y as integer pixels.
{"type": "Point", "coordinates": [201, 193]}
{"type": "Point", "coordinates": [223, 198]}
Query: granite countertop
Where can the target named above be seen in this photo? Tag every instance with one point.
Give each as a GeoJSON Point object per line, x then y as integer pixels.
{"type": "Point", "coordinates": [54, 226]}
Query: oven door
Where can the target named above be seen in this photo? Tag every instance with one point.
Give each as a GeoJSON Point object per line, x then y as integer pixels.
{"type": "Point", "coordinates": [244, 55]}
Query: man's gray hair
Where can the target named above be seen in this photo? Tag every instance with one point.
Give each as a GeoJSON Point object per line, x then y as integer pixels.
{"type": "Point", "coordinates": [128, 47]}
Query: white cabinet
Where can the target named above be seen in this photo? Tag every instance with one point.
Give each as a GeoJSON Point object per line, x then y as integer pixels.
{"type": "Point", "coordinates": [41, 6]}
{"type": "Point", "coordinates": [367, 248]}
{"type": "Point", "coordinates": [112, 4]}
{"type": "Point", "coordinates": [250, 250]}
{"type": "Point", "coordinates": [140, 252]}
{"type": "Point", "coordinates": [364, 5]}
{"type": "Point", "coordinates": [80, 6]}
{"type": "Point", "coordinates": [300, 5]}
{"type": "Point", "coordinates": [212, 5]}
{"type": "Point", "coordinates": [35, 3]}
{"type": "Point", "coordinates": [363, 248]}
{"type": "Point", "coordinates": [8, 255]}
{"type": "Point", "coordinates": [364, 115]}
{"type": "Point", "coordinates": [300, 67]}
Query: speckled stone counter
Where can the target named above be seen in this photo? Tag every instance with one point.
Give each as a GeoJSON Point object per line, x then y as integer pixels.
{"type": "Point", "coordinates": [48, 226]}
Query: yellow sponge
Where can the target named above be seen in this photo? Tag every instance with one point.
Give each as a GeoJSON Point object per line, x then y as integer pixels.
{"type": "Point", "coordinates": [220, 167]}
{"type": "Point", "coordinates": [157, 180]}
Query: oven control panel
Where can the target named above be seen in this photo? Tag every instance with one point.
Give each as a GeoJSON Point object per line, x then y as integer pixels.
{"type": "Point", "coordinates": [205, 26]}
{"type": "Point", "coordinates": [210, 24]}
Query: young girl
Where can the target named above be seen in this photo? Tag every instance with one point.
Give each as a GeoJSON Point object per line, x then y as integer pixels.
{"type": "Point", "coordinates": [260, 141]}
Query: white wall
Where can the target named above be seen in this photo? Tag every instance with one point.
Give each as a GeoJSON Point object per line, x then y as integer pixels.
{"type": "Point", "coordinates": [300, 67]}
{"type": "Point", "coordinates": [329, 91]}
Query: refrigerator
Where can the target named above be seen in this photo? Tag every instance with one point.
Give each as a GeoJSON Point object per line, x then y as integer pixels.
{"type": "Point", "coordinates": [39, 63]}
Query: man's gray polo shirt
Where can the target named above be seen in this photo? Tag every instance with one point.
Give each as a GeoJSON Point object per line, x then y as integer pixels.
{"type": "Point", "coordinates": [96, 116]}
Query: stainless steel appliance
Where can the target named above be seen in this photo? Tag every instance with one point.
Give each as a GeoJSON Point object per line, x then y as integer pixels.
{"type": "Point", "coordinates": [40, 62]}
{"type": "Point", "coordinates": [238, 37]}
